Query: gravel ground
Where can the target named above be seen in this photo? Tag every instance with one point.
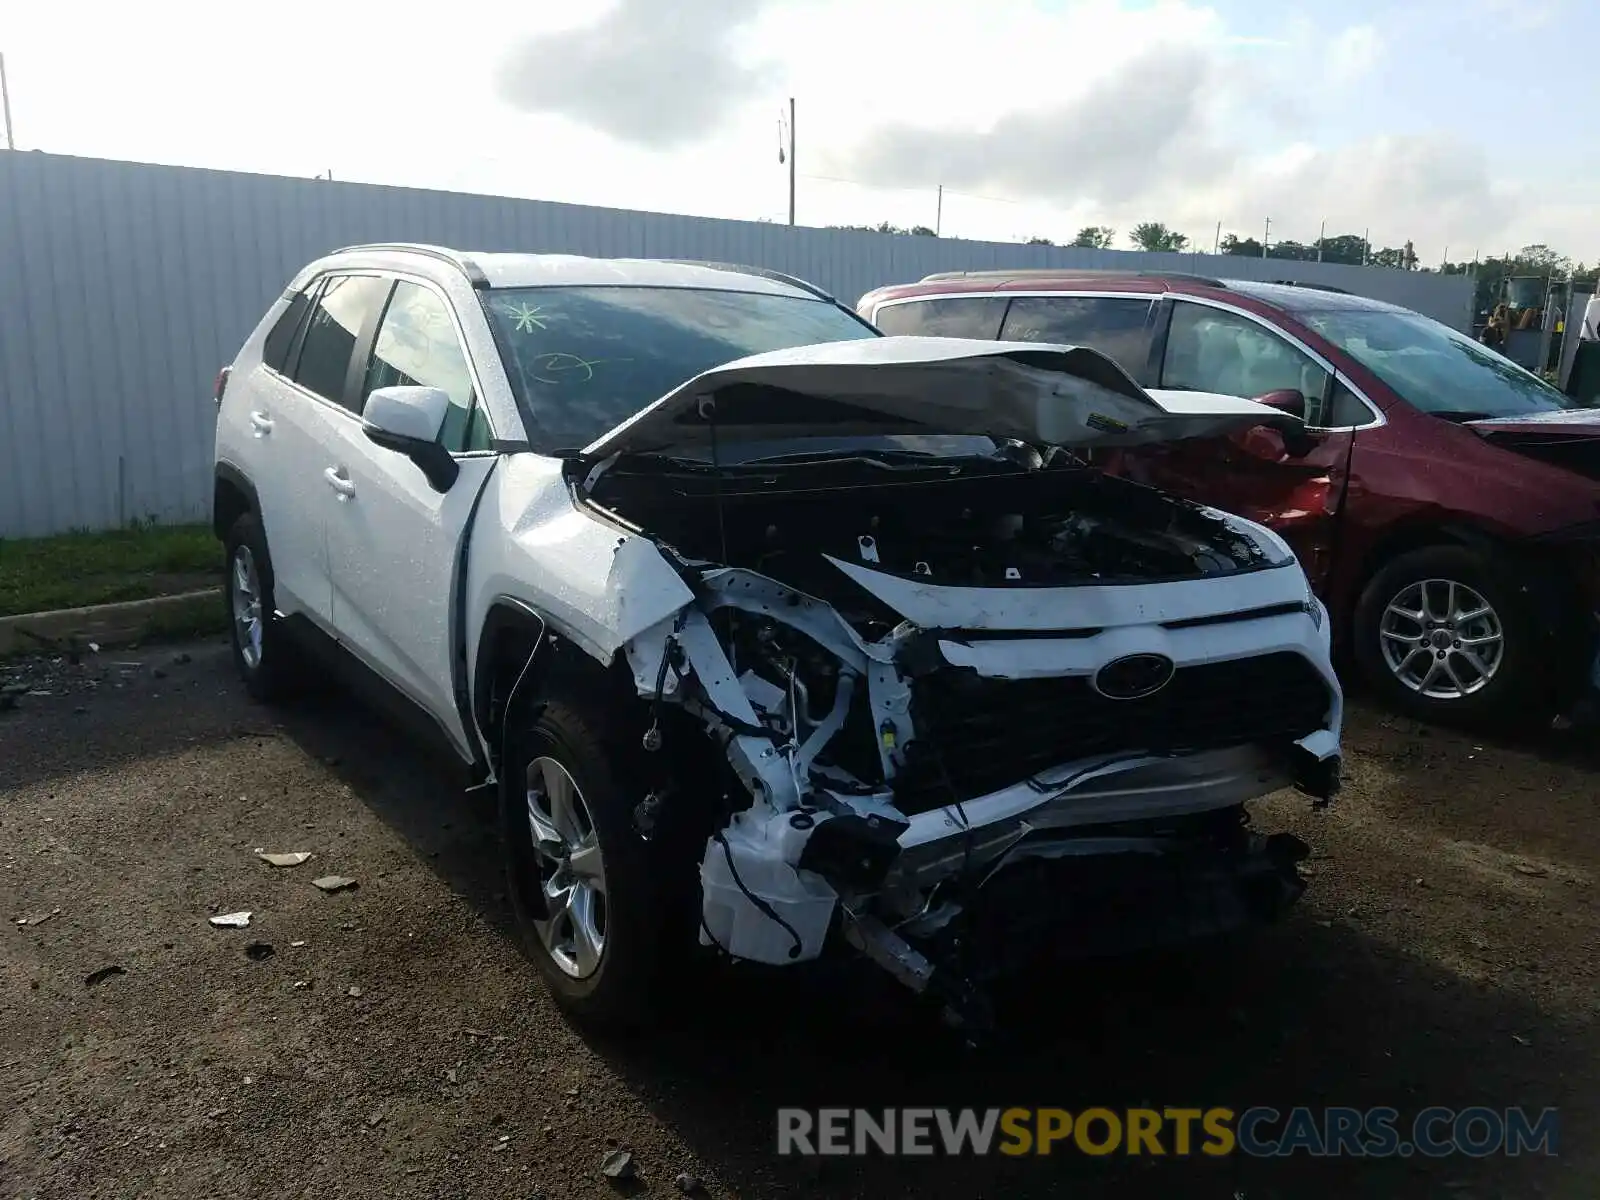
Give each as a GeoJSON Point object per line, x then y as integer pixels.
{"type": "Point", "coordinates": [395, 1043]}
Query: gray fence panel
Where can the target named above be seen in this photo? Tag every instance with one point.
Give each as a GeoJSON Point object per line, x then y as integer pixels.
{"type": "Point", "coordinates": [125, 286]}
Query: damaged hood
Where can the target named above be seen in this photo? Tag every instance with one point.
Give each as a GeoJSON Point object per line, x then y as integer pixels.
{"type": "Point", "coordinates": [1563, 423]}
{"type": "Point", "coordinates": [1041, 394]}
{"type": "Point", "coordinates": [1568, 438]}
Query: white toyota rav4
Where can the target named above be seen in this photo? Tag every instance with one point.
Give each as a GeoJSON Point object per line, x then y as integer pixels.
{"type": "Point", "coordinates": [774, 633]}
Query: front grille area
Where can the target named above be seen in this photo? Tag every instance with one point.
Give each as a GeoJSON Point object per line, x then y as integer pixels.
{"type": "Point", "coordinates": [991, 733]}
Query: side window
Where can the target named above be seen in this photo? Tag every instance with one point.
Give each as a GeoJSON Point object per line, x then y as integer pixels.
{"type": "Point", "coordinates": [1209, 350]}
{"type": "Point", "coordinates": [1115, 327]}
{"type": "Point", "coordinates": [1343, 409]}
{"type": "Point", "coordinates": [341, 313]}
{"type": "Point", "coordinates": [959, 316]}
{"type": "Point", "coordinates": [417, 345]}
{"type": "Point", "coordinates": [280, 338]}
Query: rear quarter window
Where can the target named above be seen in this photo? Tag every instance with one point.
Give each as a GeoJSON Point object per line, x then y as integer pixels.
{"type": "Point", "coordinates": [280, 338]}
{"type": "Point", "coordinates": [957, 316]}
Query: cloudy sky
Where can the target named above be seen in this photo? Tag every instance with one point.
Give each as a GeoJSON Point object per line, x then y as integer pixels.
{"type": "Point", "coordinates": [1459, 124]}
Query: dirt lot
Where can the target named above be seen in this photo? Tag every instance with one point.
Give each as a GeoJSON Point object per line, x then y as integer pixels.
{"type": "Point", "coordinates": [396, 1045]}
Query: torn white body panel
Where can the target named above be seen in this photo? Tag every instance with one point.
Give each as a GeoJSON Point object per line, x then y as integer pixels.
{"type": "Point", "coordinates": [1086, 606]}
{"type": "Point", "coordinates": [599, 584]}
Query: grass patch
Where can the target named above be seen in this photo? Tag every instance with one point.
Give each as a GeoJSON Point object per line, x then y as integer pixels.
{"type": "Point", "coordinates": [72, 570]}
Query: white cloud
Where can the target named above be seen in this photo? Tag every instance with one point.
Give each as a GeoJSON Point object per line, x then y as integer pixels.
{"type": "Point", "coordinates": [1353, 53]}
{"type": "Point", "coordinates": [1522, 14]}
{"type": "Point", "coordinates": [1036, 120]}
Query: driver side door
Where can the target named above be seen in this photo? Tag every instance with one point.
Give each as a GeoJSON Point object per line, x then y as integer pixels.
{"type": "Point", "coordinates": [394, 540]}
{"type": "Point", "coordinates": [1205, 348]}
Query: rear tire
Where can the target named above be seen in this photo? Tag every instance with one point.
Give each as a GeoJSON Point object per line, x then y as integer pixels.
{"type": "Point", "coordinates": [1448, 634]}
{"type": "Point", "coordinates": [589, 902]}
{"type": "Point", "coordinates": [262, 654]}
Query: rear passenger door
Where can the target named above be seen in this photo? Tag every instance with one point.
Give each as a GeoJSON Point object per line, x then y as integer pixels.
{"type": "Point", "coordinates": [306, 365]}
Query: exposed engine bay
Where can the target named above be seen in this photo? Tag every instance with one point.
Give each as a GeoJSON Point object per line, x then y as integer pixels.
{"type": "Point", "coordinates": [988, 523]}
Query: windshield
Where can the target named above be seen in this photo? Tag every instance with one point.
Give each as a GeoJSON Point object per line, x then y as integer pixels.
{"type": "Point", "coordinates": [584, 359]}
{"type": "Point", "coordinates": [1434, 368]}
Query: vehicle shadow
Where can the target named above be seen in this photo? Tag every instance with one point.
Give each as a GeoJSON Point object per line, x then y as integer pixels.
{"type": "Point", "coordinates": [1514, 790]}
{"type": "Point", "coordinates": [117, 707]}
{"type": "Point", "coordinates": [1303, 1015]}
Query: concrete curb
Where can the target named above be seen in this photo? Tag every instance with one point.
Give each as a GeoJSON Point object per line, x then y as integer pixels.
{"type": "Point", "coordinates": [109, 624]}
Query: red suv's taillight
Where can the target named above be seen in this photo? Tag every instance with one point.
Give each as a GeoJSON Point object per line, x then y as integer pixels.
{"type": "Point", "coordinates": [221, 385]}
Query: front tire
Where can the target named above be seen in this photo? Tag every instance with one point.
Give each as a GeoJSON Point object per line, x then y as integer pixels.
{"type": "Point", "coordinates": [261, 653]}
{"type": "Point", "coordinates": [588, 904]}
{"type": "Point", "coordinates": [1446, 634]}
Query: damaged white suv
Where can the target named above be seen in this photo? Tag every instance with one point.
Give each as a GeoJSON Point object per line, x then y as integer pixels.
{"type": "Point", "coordinates": [774, 634]}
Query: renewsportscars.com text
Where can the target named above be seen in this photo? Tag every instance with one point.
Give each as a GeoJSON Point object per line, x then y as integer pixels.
{"type": "Point", "coordinates": [1178, 1132]}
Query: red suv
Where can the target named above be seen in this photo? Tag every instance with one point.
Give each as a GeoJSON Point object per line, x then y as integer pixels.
{"type": "Point", "coordinates": [1446, 503]}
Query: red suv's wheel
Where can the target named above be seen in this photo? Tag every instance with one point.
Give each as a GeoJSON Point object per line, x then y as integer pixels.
{"type": "Point", "coordinates": [1445, 633]}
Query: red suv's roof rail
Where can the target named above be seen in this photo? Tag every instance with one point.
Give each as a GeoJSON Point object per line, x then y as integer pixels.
{"type": "Point", "coordinates": [1072, 273]}
{"type": "Point", "coordinates": [1302, 283]}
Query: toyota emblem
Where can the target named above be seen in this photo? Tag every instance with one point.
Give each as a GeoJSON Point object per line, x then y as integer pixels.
{"type": "Point", "coordinates": [1133, 676]}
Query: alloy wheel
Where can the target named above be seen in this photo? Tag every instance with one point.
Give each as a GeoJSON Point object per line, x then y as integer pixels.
{"type": "Point", "coordinates": [1442, 639]}
{"type": "Point", "coordinates": [246, 606]}
{"type": "Point", "coordinates": [572, 873]}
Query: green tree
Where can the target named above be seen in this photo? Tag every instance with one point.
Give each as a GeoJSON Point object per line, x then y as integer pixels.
{"type": "Point", "coordinates": [1040, 241]}
{"type": "Point", "coordinates": [1248, 247]}
{"type": "Point", "coordinates": [1095, 237]}
{"type": "Point", "coordinates": [1539, 259]}
{"type": "Point", "coordinates": [1343, 248]}
{"type": "Point", "coordinates": [1402, 259]}
{"type": "Point", "coordinates": [885, 227]}
{"type": "Point", "coordinates": [1292, 250]}
{"type": "Point", "coordinates": [1153, 235]}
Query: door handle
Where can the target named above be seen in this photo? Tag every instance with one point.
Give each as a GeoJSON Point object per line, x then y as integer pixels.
{"type": "Point", "coordinates": [261, 423]}
{"type": "Point", "coordinates": [340, 482]}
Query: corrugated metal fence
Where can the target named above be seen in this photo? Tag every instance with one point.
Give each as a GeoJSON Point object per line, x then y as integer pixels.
{"type": "Point", "coordinates": [124, 286]}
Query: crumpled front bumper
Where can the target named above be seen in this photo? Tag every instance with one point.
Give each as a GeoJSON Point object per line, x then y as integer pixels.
{"type": "Point", "coordinates": [1104, 897]}
{"type": "Point", "coordinates": [1121, 789]}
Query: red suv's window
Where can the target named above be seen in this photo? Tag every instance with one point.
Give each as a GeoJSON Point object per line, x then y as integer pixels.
{"type": "Point", "coordinates": [1115, 326]}
{"type": "Point", "coordinates": [951, 316]}
{"type": "Point", "coordinates": [1212, 350]}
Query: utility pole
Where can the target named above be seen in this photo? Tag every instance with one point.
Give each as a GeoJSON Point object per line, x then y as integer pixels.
{"type": "Point", "coordinates": [5, 104]}
{"type": "Point", "coordinates": [938, 213]}
{"type": "Point", "coordinates": [1322, 236]}
{"type": "Point", "coordinates": [1216, 242]}
{"type": "Point", "coordinates": [1266, 235]}
{"type": "Point", "coordinates": [791, 160]}
{"type": "Point", "coordinates": [1366, 246]}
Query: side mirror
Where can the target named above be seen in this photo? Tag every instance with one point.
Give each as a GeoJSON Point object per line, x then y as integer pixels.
{"type": "Point", "coordinates": [407, 420]}
{"type": "Point", "coordinates": [1289, 400]}
{"type": "Point", "coordinates": [1274, 444]}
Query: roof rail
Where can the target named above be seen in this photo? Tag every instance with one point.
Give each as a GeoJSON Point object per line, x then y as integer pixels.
{"type": "Point", "coordinates": [1071, 273]}
{"type": "Point", "coordinates": [1321, 287]}
{"type": "Point", "coordinates": [461, 262]}
{"type": "Point", "coordinates": [762, 272]}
